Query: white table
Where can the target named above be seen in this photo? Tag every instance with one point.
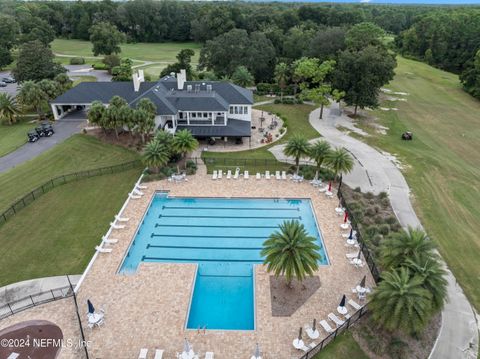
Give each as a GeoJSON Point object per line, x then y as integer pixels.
{"type": "Point", "coordinates": [360, 290]}
{"type": "Point", "coordinates": [356, 261]}
{"type": "Point", "coordinates": [313, 334]}
{"type": "Point", "coordinates": [298, 343]}
{"type": "Point", "coordinates": [342, 310]}
{"type": "Point", "coordinates": [95, 318]}
{"type": "Point", "coordinates": [351, 242]}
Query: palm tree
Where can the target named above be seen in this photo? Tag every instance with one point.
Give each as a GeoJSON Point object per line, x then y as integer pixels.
{"type": "Point", "coordinates": [242, 77]}
{"type": "Point", "coordinates": [297, 147]}
{"type": "Point", "coordinates": [9, 110]}
{"type": "Point", "coordinates": [401, 302]}
{"type": "Point", "coordinates": [184, 142]}
{"type": "Point", "coordinates": [32, 96]}
{"type": "Point", "coordinates": [145, 117]}
{"type": "Point", "coordinates": [155, 155]}
{"type": "Point", "coordinates": [96, 114]}
{"type": "Point", "coordinates": [433, 276]}
{"type": "Point", "coordinates": [319, 151]}
{"type": "Point", "coordinates": [281, 76]}
{"type": "Point", "coordinates": [291, 252]}
{"type": "Point", "coordinates": [340, 161]}
{"type": "Point", "coordinates": [397, 249]}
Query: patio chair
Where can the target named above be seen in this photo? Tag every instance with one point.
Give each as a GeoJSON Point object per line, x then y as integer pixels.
{"type": "Point", "coordinates": [339, 210]}
{"type": "Point", "coordinates": [229, 174]}
{"type": "Point", "coordinates": [220, 174]}
{"type": "Point", "coordinates": [103, 250]}
{"type": "Point", "coordinates": [143, 353]}
{"type": "Point", "coordinates": [121, 219]}
{"type": "Point", "coordinates": [346, 235]}
{"type": "Point", "coordinates": [134, 196]}
{"type": "Point", "coordinates": [215, 175]}
{"type": "Point", "coordinates": [246, 175]}
{"type": "Point", "coordinates": [137, 192]}
{"type": "Point", "coordinates": [158, 354]}
{"type": "Point", "coordinates": [139, 186]}
{"type": "Point", "coordinates": [284, 175]}
{"type": "Point", "coordinates": [277, 175]}
{"type": "Point", "coordinates": [117, 226]}
{"type": "Point", "coordinates": [323, 189]}
{"type": "Point", "coordinates": [329, 194]}
{"type": "Point", "coordinates": [209, 355]}
{"type": "Point", "coordinates": [345, 226]}
{"type": "Point", "coordinates": [351, 255]}
{"type": "Point", "coordinates": [258, 176]}
{"type": "Point", "coordinates": [267, 175]}
{"type": "Point", "coordinates": [354, 304]}
{"type": "Point", "coordinates": [338, 322]}
{"type": "Point", "coordinates": [110, 241]}
{"type": "Point", "coordinates": [326, 326]}
{"type": "Point", "coordinates": [237, 173]}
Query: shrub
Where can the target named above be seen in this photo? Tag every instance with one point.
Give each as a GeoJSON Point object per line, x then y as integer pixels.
{"type": "Point", "coordinates": [376, 239]}
{"type": "Point", "coordinates": [391, 219]}
{"type": "Point", "coordinates": [370, 211]}
{"type": "Point", "coordinates": [384, 229]}
{"type": "Point", "coordinates": [354, 205]}
{"type": "Point", "coordinates": [356, 196]}
{"type": "Point", "coordinates": [148, 78]}
{"type": "Point", "coordinates": [77, 61]}
{"type": "Point", "coordinates": [110, 61]}
{"type": "Point", "coordinates": [367, 221]}
{"type": "Point", "coordinates": [378, 219]}
{"type": "Point", "coordinates": [371, 230]}
{"type": "Point", "coordinates": [369, 195]}
{"type": "Point", "coordinates": [357, 189]}
{"type": "Point", "coordinates": [383, 195]}
{"type": "Point", "coordinates": [308, 172]}
{"type": "Point", "coordinates": [358, 215]}
{"type": "Point", "coordinates": [395, 227]}
{"type": "Point", "coordinates": [376, 208]}
{"type": "Point", "coordinates": [385, 202]}
{"type": "Point", "coordinates": [99, 66]}
{"type": "Point", "coordinates": [191, 167]}
{"type": "Point", "coordinates": [282, 130]}
{"type": "Point", "coordinates": [397, 348]}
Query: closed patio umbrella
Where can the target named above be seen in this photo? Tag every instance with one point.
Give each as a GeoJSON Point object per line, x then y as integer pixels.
{"type": "Point", "coordinates": [362, 282]}
{"type": "Point", "coordinates": [330, 186]}
{"type": "Point", "coordinates": [300, 334]}
{"type": "Point", "coordinates": [345, 217]}
{"type": "Point", "coordinates": [314, 325]}
{"type": "Point", "coordinates": [257, 354]}
{"type": "Point", "coordinates": [350, 236]}
{"type": "Point", "coordinates": [91, 309]}
{"type": "Point", "coordinates": [342, 302]}
{"type": "Point", "coordinates": [342, 309]}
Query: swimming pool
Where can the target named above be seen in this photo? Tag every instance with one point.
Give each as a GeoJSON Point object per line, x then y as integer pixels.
{"type": "Point", "coordinates": [224, 236]}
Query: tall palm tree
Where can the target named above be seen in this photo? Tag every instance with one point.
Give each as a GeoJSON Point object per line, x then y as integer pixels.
{"type": "Point", "coordinates": [32, 96]}
{"type": "Point", "coordinates": [340, 161]}
{"type": "Point", "coordinates": [397, 249]}
{"type": "Point", "coordinates": [9, 109]}
{"type": "Point", "coordinates": [401, 302]}
{"type": "Point", "coordinates": [319, 151]}
{"type": "Point", "coordinates": [291, 251]}
{"type": "Point", "coordinates": [281, 76]}
{"type": "Point", "coordinates": [155, 155]}
{"type": "Point", "coordinates": [297, 147]}
{"type": "Point", "coordinates": [433, 276]}
{"type": "Point", "coordinates": [96, 114]}
{"type": "Point", "coordinates": [184, 142]}
{"type": "Point", "coordinates": [242, 77]}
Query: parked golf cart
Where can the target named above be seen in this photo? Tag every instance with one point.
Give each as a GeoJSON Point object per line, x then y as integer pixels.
{"type": "Point", "coordinates": [33, 136]}
{"type": "Point", "coordinates": [44, 130]}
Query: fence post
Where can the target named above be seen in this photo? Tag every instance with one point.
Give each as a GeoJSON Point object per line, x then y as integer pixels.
{"type": "Point", "coordinates": [9, 307]}
{"type": "Point", "coordinates": [33, 195]}
{"type": "Point", "coordinates": [32, 300]}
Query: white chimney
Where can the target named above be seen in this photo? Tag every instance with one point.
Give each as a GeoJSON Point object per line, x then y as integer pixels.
{"type": "Point", "coordinates": [181, 79]}
{"type": "Point", "coordinates": [138, 78]}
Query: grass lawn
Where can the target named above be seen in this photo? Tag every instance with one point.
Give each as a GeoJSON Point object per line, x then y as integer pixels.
{"type": "Point", "coordinates": [14, 136]}
{"type": "Point", "coordinates": [79, 152]}
{"type": "Point", "coordinates": [254, 160]}
{"type": "Point", "coordinates": [156, 52]}
{"type": "Point", "coordinates": [344, 346]}
{"type": "Point", "coordinates": [443, 160]}
{"type": "Point", "coordinates": [57, 234]}
{"type": "Point", "coordinates": [84, 78]}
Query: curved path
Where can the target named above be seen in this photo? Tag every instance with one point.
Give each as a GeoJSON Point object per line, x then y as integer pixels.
{"type": "Point", "coordinates": [375, 172]}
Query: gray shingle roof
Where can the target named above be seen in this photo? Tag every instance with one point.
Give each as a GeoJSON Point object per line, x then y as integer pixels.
{"type": "Point", "coordinates": [234, 128]}
{"type": "Point", "coordinates": [164, 94]}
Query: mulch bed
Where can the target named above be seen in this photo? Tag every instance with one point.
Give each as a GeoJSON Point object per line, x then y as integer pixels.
{"type": "Point", "coordinates": [286, 300]}
{"type": "Point", "coordinates": [124, 139]}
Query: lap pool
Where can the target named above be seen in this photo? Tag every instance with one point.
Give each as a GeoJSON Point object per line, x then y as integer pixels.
{"type": "Point", "coordinates": [224, 236]}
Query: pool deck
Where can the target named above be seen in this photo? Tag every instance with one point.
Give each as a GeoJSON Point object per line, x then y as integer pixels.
{"type": "Point", "coordinates": [149, 309]}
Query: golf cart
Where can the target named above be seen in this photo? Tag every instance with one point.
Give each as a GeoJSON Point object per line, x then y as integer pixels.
{"type": "Point", "coordinates": [44, 130]}
{"type": "Point", "coordinates": [33, 136]}
{"type": "Point", "coordinates": [407, 136]}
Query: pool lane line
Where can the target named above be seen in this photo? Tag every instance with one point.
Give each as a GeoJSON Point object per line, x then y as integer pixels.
{"type": "Point", "coordinates": [145, 258]}
{"type": "Point", "coordinates": [225, 275]}
{"type": "Point", "coordinates": [236, 208]}
{"type": "Point", "coordinates": [203, 236]}
{"type": "Point", "coordinates": [208, 226]}
{"type": "Point", "coordinates": [196, 247]}
{"type": "Point", "coordinates": [221, 217]}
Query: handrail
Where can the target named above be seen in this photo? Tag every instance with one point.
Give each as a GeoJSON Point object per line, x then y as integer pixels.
{"type": "Point", "coordinates": [61, 180]}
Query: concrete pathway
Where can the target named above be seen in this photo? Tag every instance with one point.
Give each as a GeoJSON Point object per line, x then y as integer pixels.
{"type": "Point", "coordinates": [17, 291]}
{"type": "Point", "coordinates": [63, 130]}
{"type": "Point", "coordinates": [375, 172]}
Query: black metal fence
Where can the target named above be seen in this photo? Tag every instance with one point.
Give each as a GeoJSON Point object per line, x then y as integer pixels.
{"type": "Point", "coordinates": [61, 180]}
{"type": "Point", "coordinates": [251, 164]}
{"type": "Point", "coordinates": [332, 336]}
{"type": "Point", "coordinates": [34, 300]}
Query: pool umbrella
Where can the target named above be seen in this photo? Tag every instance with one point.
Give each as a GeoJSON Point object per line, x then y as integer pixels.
{"type": "Point", "coordinates": [186, 346]}
{"type": "Point", "coordinates": [345, 217]}
{"type": "Point", "coordinates": [300, 334]}
{"type": "Point", "coordinates": [314, 324]}
{"type": "Point", "coordinates": [350, 236]}
{"type": "Point", "coordinates": [91, 309]}
{"type": "Point", "coordinates": [342, 302]}
{"type": "Point", "coordinates": [257, 354]}
{"type": "Point", "coordinates": [359, 254]}
{"type": "Point", "coordinates": [362, 282]}
{"type": "Point", "coordinates": [330, 186]}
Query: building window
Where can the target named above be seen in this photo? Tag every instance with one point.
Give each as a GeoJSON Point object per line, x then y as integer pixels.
{"type": "Point", "coordinates": [194, 115]}
{"type": "Point", "coordinates": [240, 110]}
{"type": "Point", "coordinates": [245, 109]}
{"type": "Point", "coordinates": [231, 110]}
{"type": "Point", "coordinates": [236, 110]}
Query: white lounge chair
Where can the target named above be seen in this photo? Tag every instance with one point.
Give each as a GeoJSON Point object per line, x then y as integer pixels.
{"type": "Point", "coordinates": [284, 175]}
{"type": "Point", "coordinates": [103, 250]}
{"type": "Point", "coordinates": [354, 304]}
{"type": "Point", "coordinates": [326, 326]}
{"type": "Point", "coordinates": [258, 176]}
{"type": "Point", "coordinates": [139, 186]}
{"type": "Point", "coordinates": [229, 174]}
{"type": "Point", "coordinates": [220, 174]}
{"type": "Point", "coordinates": [134, 196]}
{"type": "Point", "coordinates": [110, 241]}
{"type": "Point", "coordinates": [346, 235]}
{"type": "Point", "coordinates": [338, 322]}
{"type": "Point", "coordinates": [215, 175]}
{"type": "Point", "coordinates": [267, 175]}
{"type": "Point", "coordinates": [351, 255]}
{"type": "Point", "coordinates": [237, 173]}
{"type": "Point", "coordinates": [329, 194]}
{"type": "Point", "coordinates": [309, 347]}
{"type": "Point", "coordinates": [138, 192]}
{"type": "Point", "coordinates": [277, 175]}
{"type": "Point", "coordinates": [339, 210]}
{"type": "Point", "coordinates": [246, 175]}
{"type": "Point", "coordinates": [143, 353]}
{"type": "Point", "coordinates": [345, 226]}
{"type": "Point", "coordinates": [209, 355]}
{"type": "Point", "coordinates": [323, 189]}
{"type": "Point", "coordinates": [158, 353]}
{"type": "Point", "coordinates": [13, 356]}
{"type": "Point", "coordinates": [121, 219]}
{"type": "Point", "coordinates": [117, 226]}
